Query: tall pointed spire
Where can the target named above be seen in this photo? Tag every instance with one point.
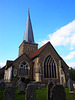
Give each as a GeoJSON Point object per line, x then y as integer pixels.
{"type": "Point", "coordinates": [28, 34]}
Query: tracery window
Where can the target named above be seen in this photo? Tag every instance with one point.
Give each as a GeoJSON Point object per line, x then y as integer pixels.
{"type": "Point", "coordinates": [23, 69]}
{"type": "Point", "coordinates": [49, 67]}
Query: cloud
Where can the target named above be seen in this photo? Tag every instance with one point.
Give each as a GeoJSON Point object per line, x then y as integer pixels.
{"type": "Point", "coordinates": [72, 64]}
{"type": "Point", "coordinates": [71, 55]}
{"type": "Point", "coordinates": [72, 40]}
{"type": "Point", "coordinates": [2, 64]}
{"type": "Point", "coordinates": [63, 36]}
{"type": "Point", "coordinates": [43, 42]}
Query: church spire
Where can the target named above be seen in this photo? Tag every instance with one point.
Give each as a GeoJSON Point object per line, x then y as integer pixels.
{"type": "Point", "coordinates": [28, 34]}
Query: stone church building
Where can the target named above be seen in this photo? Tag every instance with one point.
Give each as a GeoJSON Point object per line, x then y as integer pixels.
{"type": "Point", "coordinates": [42, 65]}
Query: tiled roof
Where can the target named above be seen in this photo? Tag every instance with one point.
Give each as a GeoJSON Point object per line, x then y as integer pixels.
{"type": "Point", "coordinates": [2, 72]}
{"type": "Point", "coordinates": [8, 63]}
{"type": "Point", "coordinates": [37, 52]}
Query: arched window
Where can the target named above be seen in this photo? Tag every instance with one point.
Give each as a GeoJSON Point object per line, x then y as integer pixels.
{"type": "Point", "coordinates": [49, 67]}
{"type": "Point", "coordinates": [23, 69]}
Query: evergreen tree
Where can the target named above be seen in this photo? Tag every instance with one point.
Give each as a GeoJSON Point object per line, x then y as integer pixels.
{"type": "Point", "coordinates": [72, 73]}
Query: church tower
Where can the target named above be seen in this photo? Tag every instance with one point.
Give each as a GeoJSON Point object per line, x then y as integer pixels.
{"type": "Point", "coordinates": [28, 45]}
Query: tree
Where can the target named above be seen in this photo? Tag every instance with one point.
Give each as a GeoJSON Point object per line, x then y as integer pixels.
{"type": "Point", "coordinates": [72, 73]}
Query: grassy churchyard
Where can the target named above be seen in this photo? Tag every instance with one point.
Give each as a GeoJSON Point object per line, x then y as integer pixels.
{"type": "Point", "coordinates": [41, 94]}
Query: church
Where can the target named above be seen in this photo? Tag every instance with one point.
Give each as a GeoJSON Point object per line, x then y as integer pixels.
{"type": "Point", "coordinates": [41, 65]}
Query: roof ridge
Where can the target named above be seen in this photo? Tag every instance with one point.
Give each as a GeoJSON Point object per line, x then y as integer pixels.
{"type": "Point", "coordinates": [18, 58]}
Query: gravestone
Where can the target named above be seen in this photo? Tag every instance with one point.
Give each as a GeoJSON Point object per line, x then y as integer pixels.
{"type": "Point", "coordinates": [43, 85]}
{"type": "Point", "coordinates": [2, 85]}
{"type": "Point", "coordinates": [58, 93]}
{"type": "Point", "coordinates": [21, 85]}
{"type": "Point", "coordinates": [68, 83]}
{"type": "Point", "coordinates": [49, 86]}
{"type": "Point", "coordinates": [71, 85]}
{"type": "Point", "coordinates": [8, 84]}
{"type": "Point", "coordinates": [9, 93]}
{"type": "Point", "coordinates": [30, 92]}
{"type": "Point", "coordinates": [74, 85]}
{"type": "Point", "coordinates": [21, 88]}
{"type": "Point", "coordinates": [18, 82]}
{"type": "Point", "coordinates": [38, 85]}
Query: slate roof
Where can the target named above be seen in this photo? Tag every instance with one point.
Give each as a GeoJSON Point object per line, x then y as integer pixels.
{"type": "Point", "coordinates": [28, 34]}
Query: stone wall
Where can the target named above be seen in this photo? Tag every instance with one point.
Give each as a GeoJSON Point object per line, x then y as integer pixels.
{"type": "Point", "coordinates": [27, 48]}
{"type": "Point", "coordinates": [48, 50]}
{"type": "Point", "coordinates": [16, 65]}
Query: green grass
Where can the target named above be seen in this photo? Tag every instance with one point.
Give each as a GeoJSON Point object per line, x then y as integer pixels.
{"type": "Point", "coordinates": [19, 96]}
{"type": "Point", "coordinates": [68, 95]}
{"type": "Point", "coordinates": [41, 94]}
{"type": "Point", "coordinates": [1, 94]}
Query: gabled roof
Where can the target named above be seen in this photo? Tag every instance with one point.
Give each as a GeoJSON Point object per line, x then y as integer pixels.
{"type": "Point", "coordinates": [28, 34]}
{"type": "Point", "coordinates": [9, 63]}
{"type": "Point", "coordinates": [37, 52]}
{"type": "Point", "coordinates": [21, 56]}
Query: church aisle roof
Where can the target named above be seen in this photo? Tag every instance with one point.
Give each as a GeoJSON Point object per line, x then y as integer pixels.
{"type": "Point", "coordinates": [28, 34]}
{"type": "Point", "coordinates": [9, 62]}
{"type": "Point", "coordinates": [37, 52]}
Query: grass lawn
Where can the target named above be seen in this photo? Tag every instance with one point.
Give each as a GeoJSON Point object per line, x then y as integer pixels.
{"type": "Point", "coordinates": [1, 94]}
{"type": "Point", "coordinates": [41, 94]}
{"type": "Point", "coordinates": [69, 96]}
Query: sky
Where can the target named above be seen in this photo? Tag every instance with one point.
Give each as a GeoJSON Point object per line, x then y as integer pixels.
{"type": "Point", "coordinates": [52, 20]}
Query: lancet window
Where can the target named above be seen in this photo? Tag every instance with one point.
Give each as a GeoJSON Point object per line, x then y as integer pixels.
{"type": "Point", "coordinates": [49, 67]}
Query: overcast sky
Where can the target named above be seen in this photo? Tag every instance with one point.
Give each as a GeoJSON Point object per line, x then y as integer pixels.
{"type": "Point", "coordinates": [52, 20]}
